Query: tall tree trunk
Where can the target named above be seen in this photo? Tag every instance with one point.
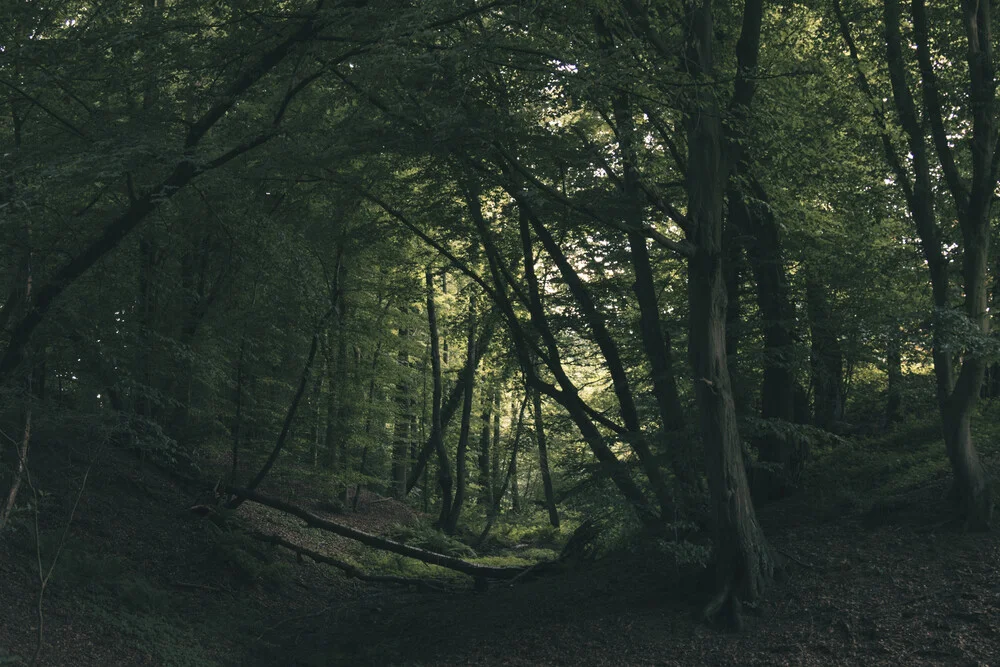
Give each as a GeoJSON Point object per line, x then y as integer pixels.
{"type": "Point", "coordinates": [655, 340]}
{"type": "Point", "coordinates": [543, 459]}
{"type": "Point", "coordinates": [401, 433]}
{"type": "Point", "coordinates": [237, 430]}
{"type": "Point", "coordinates": [826, 359]}
{"type": "Point", "coordinates": [754, 218]}
{"type": "Point", "coordinates": [486, 458]}
{"type": "Point", "coordinates": [743, 562]}
{"type": "Point", "coordinates": [468, 386]}
{"type": "Point", "coordinates": [331, 450]}
{"type": "Point", "coordinates": [733, 271]}
{"type": "Point", "coordinates": [369, 421]}
{"type": "Point", "coordinates": [455, 398]}
{"type": "Point", "coordinates": [894, 364]}
{"type": "Point", "coordinates": [444, 465]}
{"type": "Point", "coordinates": [495, 449]}
{"type": "Point", "coordinates": [973, 201]}
{"type": "Point", "coordinates": [21, 468]}
{"type": "Point", "coordinates": [342, 415]}
{"type": "Point", "coordinates": [515, 492]}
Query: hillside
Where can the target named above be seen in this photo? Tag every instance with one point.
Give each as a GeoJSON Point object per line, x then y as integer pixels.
{"type": "Point", "coordinates": [141, 580]}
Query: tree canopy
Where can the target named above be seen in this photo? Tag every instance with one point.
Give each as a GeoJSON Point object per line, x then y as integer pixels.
{"type": "Point", "coordinates": [630, 259]}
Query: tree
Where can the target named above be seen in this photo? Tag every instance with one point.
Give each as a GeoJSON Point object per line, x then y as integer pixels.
{"type": "Point", "coordinates": [971, 194]}
{"type": "Point", "coordinates": [743, 560]}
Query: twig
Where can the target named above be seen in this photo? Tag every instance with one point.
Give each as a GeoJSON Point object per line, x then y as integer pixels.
{"type": "Point", "coordinates": [291, 619]}
{"type": "Point", "coordinates": [794, 559]}
{"type": "Point", "coordinates": [202, 587]}
{"type": "Point", "coordinates": [45, 576]}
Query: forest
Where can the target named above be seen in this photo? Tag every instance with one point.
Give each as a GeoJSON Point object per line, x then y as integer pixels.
{"type": "Point", "coordinates": [498, 332]}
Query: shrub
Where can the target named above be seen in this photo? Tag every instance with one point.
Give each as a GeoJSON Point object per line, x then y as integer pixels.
{"type": "Point", "coordinates": [426, 537]}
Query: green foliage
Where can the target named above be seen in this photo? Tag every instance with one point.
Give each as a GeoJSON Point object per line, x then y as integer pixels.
{"type": "Point", "coordinates": [803, 437]}
{"type": "Point", "coordinates": [426, 537]}
{"type": "Point", "coordinates": [248, 562]}
{"type": "Point", "coordinates": [167, 640]}
{"type": "Point", "coordinates": [82, 569]}
{"type": "Point", "coordinates": [680, 553]}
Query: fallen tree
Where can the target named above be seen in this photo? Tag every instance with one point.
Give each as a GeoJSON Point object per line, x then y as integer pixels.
{"type": "Point", "coordinates": [431, 557]}
{"type": "Point", "coordinates": [347, 568]}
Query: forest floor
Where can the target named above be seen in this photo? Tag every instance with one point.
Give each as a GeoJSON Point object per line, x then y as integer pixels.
{"type": "Point", "coordinates": [879, 574]}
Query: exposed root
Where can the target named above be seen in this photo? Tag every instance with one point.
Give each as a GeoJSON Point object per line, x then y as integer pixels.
{"type": "Point", "coordinates": [794, 559]}
{"type": "Point", "coordinates": [725, 610]}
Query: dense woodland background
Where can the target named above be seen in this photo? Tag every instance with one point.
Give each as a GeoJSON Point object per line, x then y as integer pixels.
{"type": "Point", "coordinates": [542, 283]}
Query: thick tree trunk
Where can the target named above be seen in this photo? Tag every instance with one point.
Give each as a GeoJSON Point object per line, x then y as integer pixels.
{"type": "Point", "coordinates": [744, 566]}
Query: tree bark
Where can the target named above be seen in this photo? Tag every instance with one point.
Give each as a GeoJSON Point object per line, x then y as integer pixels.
{"type": "Point", "coordinates": [754, 218]}
{"type": "Point", "coordinates": [401, 430]}
{"type": "Point", "coordinates": [826, 359]}
{"type": "Point", "coordinates": [972, 200]}
{"type": "Point", "coordinates": [444, 465]}
{"type": "Point", "coordinates": [486, 468]}
{"type": "Point", "coordinates": [743, 561]}
{"type": "Point", "coordinates": [457, 564]}
{"type": "Point", "coordinates": [543, 458]}
{"type": "Point", "coordinates": [894, 364]}
{"type": "Point", "coordinates": [733, 271]}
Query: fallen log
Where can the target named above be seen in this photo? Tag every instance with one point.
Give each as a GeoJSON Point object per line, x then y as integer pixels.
{"type": "Point", "coordinates": [431, 557]}
{"type": "Point", "coordinates": [347, 568]}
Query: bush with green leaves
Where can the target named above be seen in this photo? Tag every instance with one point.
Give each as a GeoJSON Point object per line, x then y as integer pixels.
{"type": "Point", "coordinates": [431, 539]}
